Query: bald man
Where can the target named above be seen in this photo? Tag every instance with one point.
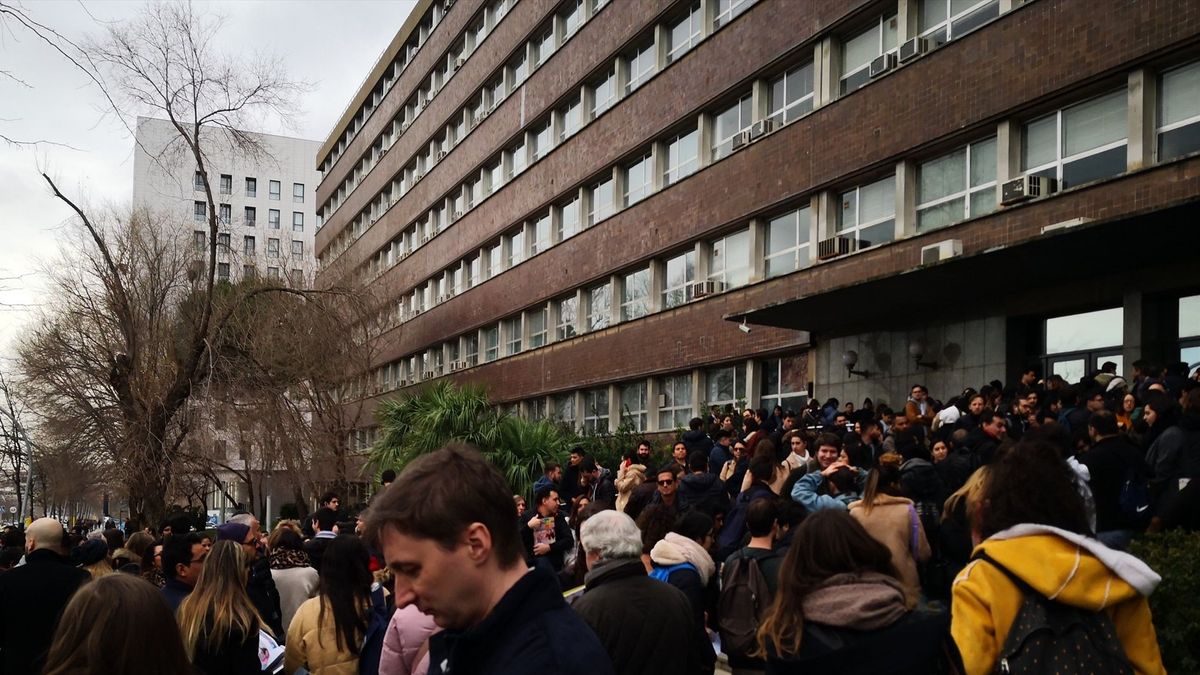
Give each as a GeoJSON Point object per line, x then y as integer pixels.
{"type": "Point", "coordinates": [33, 595]}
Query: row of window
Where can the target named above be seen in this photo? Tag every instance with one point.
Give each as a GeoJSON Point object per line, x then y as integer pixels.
{"type": "Point", "coordinates": [249, 216]}
{"type": "Point", "coordinates": [473, 35]}
{"type": "Point", "coordinates": [224, 245]}
{"type": "Point", "coordinates": [948, 189]}
{"type": "Point", "coordinates": [547, 39]}
{"type": "Point", "coordinates": [295, 276]}
{"type": "Point", "coordinates": [225, 187]}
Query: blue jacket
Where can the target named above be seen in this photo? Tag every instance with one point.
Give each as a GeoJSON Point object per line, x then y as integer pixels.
{"type": "Point", "coordinates": [531, 630]}
{"type": "Point", "coordinates": [805, 492]}
{"type": "Point", "coordinates": [717, 458]}
{"type": "Point", "coordinates": [175, 591]}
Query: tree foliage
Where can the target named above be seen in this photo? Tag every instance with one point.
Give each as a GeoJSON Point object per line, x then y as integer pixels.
{"type": "Point", "coordinates": [1176, 556]}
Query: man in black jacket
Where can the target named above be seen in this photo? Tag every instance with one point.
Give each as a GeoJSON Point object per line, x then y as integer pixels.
{"type": "Point", "coordinates": [1111, 461]}
{"type": "Point", "coordinates": [701, 489]}
{"type": "Point", "coordinates": [645, 625]}
{"type": "Point", "coordinates": [446, 531]}
{"type": "Point", "coordinates": [33, 596]}
{"type": "Point", "coordinates": [546, 535]}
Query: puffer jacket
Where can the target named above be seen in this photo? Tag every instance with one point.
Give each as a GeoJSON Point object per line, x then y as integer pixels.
{"type": "Point", "coordinates": [1073, 569]}
{"type": "Point", "coordinates": [702, 490]}
{"type": "Point", "coordinates": [315, 646]}
{"type": "Point", "coordinates": [406, 633]}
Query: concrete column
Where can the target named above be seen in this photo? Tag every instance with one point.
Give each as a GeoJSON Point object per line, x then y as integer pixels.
{"type": "Point", "coordinates": [661, 46]}
{"type": "Point", "coordinates": [760, 100]}
{"type": "Point", "coordinates": [1131, 329]}
{"type": "Point", "coordinates": [906, 21]}
{"type": "Point", "coordinates": [615, 285]}
{"type": "Point", "coordinates": [698, 392]}
{"type": "Point", "coordinates": [702, 259]}
{"type": "Point", "coordinates": [906, 199]}
{"type": "Point", "coordinates": [814, 228]}
{"type": "Point", "coordinates": [1008, 153]}
{"type": "Point", "coordinates": [614, 408]}
{"type": "Point", "coordinates": [752, 383]}
{"type": "Point", "coordinates": [705, 155]}
{"type": "Point", "coordinates": [827, 68]}
{"type": "Point", "coordinates": [580, 322]}
{"type": "Point", "coordinates": [708, 11]}
{"type": "Point", "coordinates": [826, 214]}
{"type": "Point", "coordinates": [579, 400]}
{"type": "Point", "coordinates": [1141, 119]}
{"type": "Point", "coordinates": [758, 250]}
{"type": "Point", "coordinates": [658, 281]}
{"type": "Point", "coordinates": [652, 409]}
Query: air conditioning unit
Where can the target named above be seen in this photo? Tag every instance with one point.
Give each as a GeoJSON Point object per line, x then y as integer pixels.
{"type": "Point", "coordinates": [1027, 187]}
{"type": "Point", "coordinates": [447, 5]}
{"type": "Point", "coordinates": [427, 375]}
{"type": "Point", "coordinates": [913, 48]}
{"type": "Point", "coordinates": [418, 176]}
{"type": "Point", "coordinates": [941, 251]}
{"type": "Point", "coordinates": [762, 128]}
{"type": "Point", "coordinates": [457, 215]}
{"type": "Point", "coordinates": [441, 155]}
{"type": "Point", "coordinates": [741, 139]}
{"type": "Point", "coordinates": [425, 239]}
{"type": "Point", "coordinates": [459, 63]}
{"type": "Point", "coordinates": [703, 289]}
{"type": "Point", "coordinates": [882, 64]}
{"type": "Point", "coordinates": [834, 247]}
{"type": "Point", "coordinates": [401, 383]}
{"type": "Point", "coordinates": [457, 366]}
{"type": "Point", "coordinates": [404, 126]}
{"type": "Point", "coordinates": [471, 361]}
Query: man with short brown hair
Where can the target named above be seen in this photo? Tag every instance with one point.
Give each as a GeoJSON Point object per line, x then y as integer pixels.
{"type": "Point", "coordinates": [446, 529]}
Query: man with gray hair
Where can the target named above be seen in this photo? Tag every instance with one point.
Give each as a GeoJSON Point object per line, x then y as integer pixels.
{"type": "Point", "coordinates": [645, 625]}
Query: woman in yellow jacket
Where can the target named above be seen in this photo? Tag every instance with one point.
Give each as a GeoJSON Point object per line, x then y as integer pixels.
{"type": "Point", "coordinates": [325, 637]}
{"type": "Point", "coordinates": [1031, 522]}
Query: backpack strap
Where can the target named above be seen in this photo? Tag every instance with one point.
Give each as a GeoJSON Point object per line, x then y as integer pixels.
{"type": "Point", "coordinates": [1018, 581]}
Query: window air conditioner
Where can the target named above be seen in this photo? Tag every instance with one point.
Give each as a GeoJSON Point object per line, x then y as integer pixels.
{"type": "Point", "coordinates": [703, 289]}
{"type": "Point", "coordinates": [941, 251]}
{"type": "Point", "coordinates": [457, 215]}
{"type": "Point", "coordinates": [882, 64]}
{"type": "Point", "coordinates": [834, 247]}
{"type": "Point", "coordinates": [762, 128]}
{"type": "Point", "coordinates": [401, 383]}
{"type": "Point", "coordinates": [1027, 187]}
{"type": "Point", "coordinates": [427, 375]}
{"type": "Point", "coordinates": [459, 63]}
{"type": "Point", "coordinates": [441, 155]}
{"type": "Point", "coordinates": [913, 48]}
{"type": "Point", "coordinates": [741, 139]}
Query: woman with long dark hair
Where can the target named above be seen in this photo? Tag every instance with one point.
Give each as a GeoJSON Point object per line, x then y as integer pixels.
{"type": "Point", "coordinates": [841, 609]}
{"type": "Point", "coordinates": [893, 521]}
{"type": "Point", "coordinates": [218, 622]}
{"type": "Point", "coordinates": [327, 632]}
{"type": "Point", "coordinates": [117, 625]}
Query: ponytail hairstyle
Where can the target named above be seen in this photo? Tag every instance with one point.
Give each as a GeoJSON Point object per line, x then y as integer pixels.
{"type": "Point", "coordinates": [885, 480]}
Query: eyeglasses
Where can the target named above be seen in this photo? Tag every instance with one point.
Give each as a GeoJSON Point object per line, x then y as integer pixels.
{"type": "Point", "coordinates": [665, 483]}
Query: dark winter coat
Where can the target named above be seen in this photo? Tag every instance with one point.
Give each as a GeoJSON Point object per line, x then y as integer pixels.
{"type": "Point", "coordinates": [734, 531]}
{"type": "Point", "coordinates": [703, 491]}
{"type": "Point", "coordinates": [32, 597]}
{"type": "Point", "coordinates": [562, 540]}
{"type": "Point", "coordinates": [914, 645]}
{"type": "Point", "coordinates": [635, 617]}
{"type": "Point", "coordinates": [1109, 461]}
{"type": "Point", "coordinates": [1175, 453]}
{"type": "Point", "coordinates": [175, 591]}
{"type": "Point", "coordinates": [238, 656]}
{"type": "Point", "coordinates": [531, 630]}
{"type": "Point", "coordinates": [265, 597]}
{"type": "Point", "coordinates": [717, 456]}
{"type": "Point", "coordinates": [603, 491]}
{"type": "Point", "coordinates": [695, 440]}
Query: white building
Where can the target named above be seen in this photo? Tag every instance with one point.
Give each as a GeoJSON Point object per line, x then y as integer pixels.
{"type": "Point", "coordinates": [267, 203]}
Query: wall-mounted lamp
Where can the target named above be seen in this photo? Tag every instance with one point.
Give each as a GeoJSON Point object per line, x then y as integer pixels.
{"type": "Point", "coordinates": [916, 349]}
{"type": "Point", "coordinates": [850, 359]}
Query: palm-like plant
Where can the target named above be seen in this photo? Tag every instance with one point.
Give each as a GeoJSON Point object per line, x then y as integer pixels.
{"type": "Point", "coordinates": [525, 446]}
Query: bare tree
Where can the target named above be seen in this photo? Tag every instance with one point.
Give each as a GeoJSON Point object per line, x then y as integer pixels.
{"type": "Point", "coordinates": [15, 447]}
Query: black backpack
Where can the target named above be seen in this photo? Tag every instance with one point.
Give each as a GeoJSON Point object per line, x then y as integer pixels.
{"type": "Point", "coordinates": [1052, 637]}
{"type": "Point", "coordinates": [745, 600]}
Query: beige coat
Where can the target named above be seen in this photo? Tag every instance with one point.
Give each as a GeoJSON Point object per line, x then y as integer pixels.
{"type": "Point", "coordinates": [628, 477]}
{"type": "Point", "coordinates": [890, 523]}
{"type": "Point", "coordinates": [316, 647]}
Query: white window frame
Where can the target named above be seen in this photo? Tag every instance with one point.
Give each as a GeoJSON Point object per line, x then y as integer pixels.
{"type": "Point", "coordinates": [512, 335]}
{"type": "Point", "coordinates": [567, 325]}
{"type": "Point", "coordinates": [599, 318]}
{"type": "Point", "coordinates": [599, 210]}
{"type": "Point", "coordinates": [537, 338]}
{"type": "Point", "coordinates": [600, 105]}
{"type": "Point", "coordinates": [801, 243]}
{"type": "Point", "coordinates": [635, 306]}
{"type": "Point", "coordinates": [1060, 161]}
{"type": "Point", "coordinates": [565, 230]}
{"type": "Point", "coordinates": [728, 10]}
{"type": "Point", "coordinates": [785, 113]}
{"type": "Point", "coordinates": [723, 145]}
{"type": "Point", "coordinates": [717, 252]}
{"type": "Point", "coordinates": [739, 377]}
{"type": "Point", "coordinates": [968, 190]}
{"type": "Point", "coordinates": [684, 290]}
{"type": "Point", "coordinates": [678, 169]}
{"type": "Point", "coordinates": [880, 31]}
{"type": "Point", "coordinates": [693, 24]}
{"type": "Point", "coordinates": [595, 410]}
{"type": "Point", "coordinates": [670, 388]}
{"type": "Point", "coordinates": [643, 63]}
{"type": "Point", "coordinates": [540, 232]}
{"type": "Point", "coordinates": [855, 229]}
{"type": "Point", "coordinates": [947, 24]}
{"type": "Point", "coordinates": [632, 397]}
{"type": "Point", "coordinates": [639, 179]}
{"type": "Point", "coordinates": [491, 353]}
{"type": "Point", "coordinates": [1161, 128]}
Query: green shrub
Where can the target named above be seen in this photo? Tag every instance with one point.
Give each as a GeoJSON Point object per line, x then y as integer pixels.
{"type": "Point", "coordinates": [1176, 556]}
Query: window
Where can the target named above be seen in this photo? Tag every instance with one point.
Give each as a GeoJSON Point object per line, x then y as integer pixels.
{"type": "Point", "coordinates": [1179, 112]}
{"type": "Point", "coordinates": [784, 383]}
{"type": "Point", "coordinates": [298, 193]}
{"type": "Point", "coordinates": [1078, 344]}
{"type": "Point", "coordinates": [200, 211]}
{"type": "Point", "coordinates": [791, 94]}
{"type": "Point", "coordinates": [249, 272]}
{"type": "Point", "coordinates": [251, 187]}
{"type": "Point", "coordinates": [495, 261]}
{"type": "Point", "coordinates": [491, 343]}
{"type": "Point", "coordinates": [957, 186]}
{"type": "Point", "coordinates": [248, 246]}
{"type": "Point", "coordinates": [860, 50]}
{"type": "Point", "coordinates": [273, 247]}
{"type": "Point", "coordinates": [543, 45]}
{"type": "Point", "coordinates": [568, 309]}
{"type": "Point", "coordinates": [604, 93]}
{"type": "Point", "coordinates": [297, 250]}
{"type": "Point", "coordinates": [476, 271]}
{"type": "Point", "coordinates": [516, 247]}
{"type": "Point", "coordinates": [730, 262]}
{"type": "Point", "coordinates": [272, 272]}
{"type": "Point", "coordinates": [639, 179]}
{"type": "Point", "coordinates": [680, 274]}
{"type": "Point", "coordinates": [568, 220]}
{"type": "Point", "coordinates": [470, 348]}
{"type": "Point", "coordinates": [633, 404]}
{"type": "Point", "coordinates": [297, 221]}
{"type": "Point", "coordinates": [198, 181]}
{"type": "Point", "coordinates": [512, 335]}
{"type": "Point", "coordinates": [250, 216]}
{"type": "Point", "coordinates": [684, 33]}
{"type": "Point", "coordinates": [599, 306]}
{"type": "Point", "coordinates": [729, 123]}
{"type": "Point", "coordinates": [572, 17]}
{"type": "Point", "coordinates": [1189, 331]}
{"type": "Point", "coordinates": [519, 159]}
{"type": "Point", "coordinates": [601, 202]}
{"type": "Point", "coordinates": [519, 67]}
{"type": "Point", "coordinates": [788, 242]}
{"type": "Point", "coordinates": [223, 242]}
{"type": "Point", "coordinates": [642, 64]}
{"type": "Point", "coordinates": [540, 228]}
{"type": "Point", "coordinates": [727, 10]}
{"type": "Point", "coordinates": [564, 407]}
{"type": "Point", "coordinates": [273, 218]}
{"type": "Point", "coordinates": [542, 141]}
{"type": "Point", "coordinates": [226, 184]}
{"type": "Point", "coordinates": [199, 240]}
{"type": "Point", "coordinates": [1079, 144]}
{"type": "Point", "coordinates": [683, 156]}
{"type": "Point", "coordinates": [223, 272]}
{"type": "Point", "coordinates": [273, 188]}
{"type": "Point", "coordinates": [868, 213]}
{"type": "Point", "coordinates": [676, 393]}
{"type": "Point", "coordinates": [572, 119]}
{"type": "Point", "coordinates": [595, 410]}
{"type": "Point", "coordinates": [726, 386]}
{"type": "Point", "coordinates": [536, 321]}
{"type": "Point", "coordinates": [943, 20]}
{"type": "Point", "coordinates": [635, 295]}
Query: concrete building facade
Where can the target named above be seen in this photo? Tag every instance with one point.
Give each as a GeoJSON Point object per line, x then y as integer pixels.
{"type": "Point", "coordinates": [619, 210]}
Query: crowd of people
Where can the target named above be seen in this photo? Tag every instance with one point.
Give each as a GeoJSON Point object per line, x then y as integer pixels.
{"type": "Point", "coordinates": [980, 535]}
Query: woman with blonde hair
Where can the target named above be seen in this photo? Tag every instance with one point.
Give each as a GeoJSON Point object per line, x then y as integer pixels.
{"type": "Point", "coordinates": [217, 621]}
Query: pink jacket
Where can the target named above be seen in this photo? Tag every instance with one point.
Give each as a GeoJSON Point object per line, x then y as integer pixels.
{"type": "Point", "coordinates": [408, 630]}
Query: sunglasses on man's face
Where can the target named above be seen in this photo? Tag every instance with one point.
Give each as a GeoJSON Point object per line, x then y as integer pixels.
{"type": "Point", "coordinates": [664, 483]}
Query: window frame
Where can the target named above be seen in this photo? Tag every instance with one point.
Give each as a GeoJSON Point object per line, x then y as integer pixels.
{"type": "Point", "coordinates": [799, 251]}
{"type": "Point", "coordinates": [684, 291]}
{"type": "Point", "coordinates": [635, 306]}
{"type": "Point", "coordinates": [566, 328]}
{"type": "Point", "coordinates": [1061, 161]}
{"type": "Point", "coordinates": [858, 227]}
{"type": "Point", "coordinates": [678, 170]}
{"type": "Point", "coordinates": [966, 193]}
{"type": "Point", "coordinates": [669, 389]}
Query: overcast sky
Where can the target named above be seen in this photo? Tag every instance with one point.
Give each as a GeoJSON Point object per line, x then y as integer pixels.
{"type": "Point", "coordinates": [331, 45]}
